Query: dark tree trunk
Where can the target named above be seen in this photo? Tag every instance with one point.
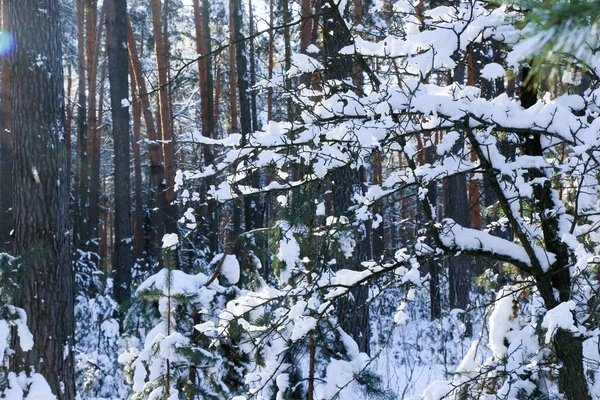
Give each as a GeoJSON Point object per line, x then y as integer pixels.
{"type": "Point", "coordinates": [203, 46]}
{"type": "Point", "coordinates": [250, 212]}
{"type": "Point", "coordinates": [103, 208]}
{"type": "Point", "coordinates": [352, 311]}
{"type": "Point", "coordinates": [165, 122]}
{"type": "Point", "coordinates": [118, 62]}
{"type": "Point", "coordinates": [234, 127]}
{"type": "Point", "coordinates": [456, 206]}
{"type": "Point", "coordinates": [378, 233]}
{"type": "Point", "coordinates": [138, 220]}
{"type": "Point", "coordinates": [6, 216]}
{"type": "Point", "coordinates": [252, 67]}
{"type": "Point", "coordinates": [41, 192]}
{"type": "Point", "coordinates": [93, 36]}
{"type": "Point", "coordinates": [287, 41]}
{"type": "Point", "coordinates": [157, 171]}
{"type": "Point", "coordinates": [306, 28]}
{"type": "Point", "coordinates": [271, 60]}
{"type": "Point", "coordinates": [433, 264]}
{"type": "Point", "coordinates": [81, 213]}
{"type": "Point", "coordinates": [252, 216]}
{"type": "Point", "coordinates": [569, 349]}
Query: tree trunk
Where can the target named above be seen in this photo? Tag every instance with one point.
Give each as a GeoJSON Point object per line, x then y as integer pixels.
{"type": "Point", "coordinates": [234, 128]}
{"type": "Point", "coordinates": [96, 181]}
{"type": "Point", "coordinates": [456, 206]}
{"type": "Point", "coordinates": [165, 123]}
{"type": "Point", "coordinates": [81, 219]}
{"type": "Point", "coordinates": [252, 56]}
{"type": "Point", "coordinates": [70, 105]}
{"type": "Point", "coordinates": [287, 64]}
{"type": "Point", "coordinates": [94, 35]}
{"type": "Point", "coordinates": [6, 216]}
{"type": "Point", "coordinates": [118, 62]}
{"type": "Point", "coordinates": [252, 214]}
{"type": "Point", "coordinates": [217, 96]}
{"type": "Point", "coordinates": [202, 23]}
{"type": "Point", "coordinates": [157, 171]}
{"type": "Point", "coordinates": [435, 308]}
{"type": "Point", "coordinates": [271, 62]}
{"type": "Point", "coordinates": [138, 220]}
{"type": "Point", "coordinates": [305, 26]}
{"type": "Point", "coordinates": [353, 310]}
{"type": "Point", "coordinates": [41, 192]}
{"type": "Point", "coordinates": [232, 72]}
{"type": "Point", "coordinates": [557, 280]}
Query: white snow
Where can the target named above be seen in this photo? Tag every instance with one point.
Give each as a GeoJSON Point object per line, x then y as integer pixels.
{"type": "Point", "coordinates": [560, 317]}
{"type": "Point", "coordinates": [492, 71]}
{"type": "Point", "coordinates": [501, 321]}
{"type": "Point", "coordinates": [170, 240]}
{"type": "Point", "coordinates": [231, 269]}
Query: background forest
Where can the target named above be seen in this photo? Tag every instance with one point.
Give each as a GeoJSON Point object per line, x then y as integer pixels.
{"type": "Point", "coordinates": [308, 199]}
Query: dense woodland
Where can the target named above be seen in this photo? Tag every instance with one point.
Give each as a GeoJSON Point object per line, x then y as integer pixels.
{"type": "Point", "coordinates": [308, 199]}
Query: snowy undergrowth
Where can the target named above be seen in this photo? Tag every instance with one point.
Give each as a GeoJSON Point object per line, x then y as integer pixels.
{"type": "Point", "coordinates": [97, 346]}
{"type": "Point", "coordinates": [13, 320]}
{"type": "Point", "coordinates": [413, 354]}
{"type": "Point", "coordinates": [503, 358]}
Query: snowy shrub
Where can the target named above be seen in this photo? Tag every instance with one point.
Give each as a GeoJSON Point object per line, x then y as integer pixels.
{"type": "Point", "coordinates": [13, 320]}
{"type": "Point", "coordinates": [97, 344]}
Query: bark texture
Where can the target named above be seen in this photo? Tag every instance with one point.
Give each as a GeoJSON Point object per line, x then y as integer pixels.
{"type": "Point", "coordinates": [81, 214]}
{"type": "Point", "coordinates": [41, 192]}
{"type": "Point", "coordinates": [6, 217]}
{"type": "Point", "coordinates": [118, 62]}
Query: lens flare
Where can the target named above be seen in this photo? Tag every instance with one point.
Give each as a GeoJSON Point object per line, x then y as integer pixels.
{"type": "Point", "coordinates": [7, 43]}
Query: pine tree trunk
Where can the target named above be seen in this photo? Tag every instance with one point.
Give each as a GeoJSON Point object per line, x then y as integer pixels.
{"type": "Point", "coordinates": [99, 185]}
{"type": "Point", "coordinates": [287, 64]}
{"type": "Point", "coordinates": [81, 219]}
{"type": "Point", "coordinates": [138, 220]}
{"type": "Point", "coordinates": [352, 311]}
{"type": "Point", "coordinates": [157, 171]}
{"type": "Point", "coordinates": [251, 203]}
{"type": "Point", "coordinates": [94, 35]}
{"type": "Point", "coordinates": [435, 308]}
{"type": "Point", "coordinates": [233, 111]}
{"type": "Point", "coordinates": [41, 192]}
{"type": "Point", "coordinates": [252, 56]}
{"type": "Point", "coordinates": [202, 23]}
{"type": "Point", "coordinates": [165, 123]}
{"type": "Point", "coordinates": [69, 115]}
{"type": "Point", "coordinates": [557, 280]}
{"type": "Point", "coordinates": [118, 62]}
{"type": "Point", "coordinates": [456, 206]}
{"type": "Point", "coordinates": [271, 61]}
{"type": "Point", "coordinates": [6, 216]}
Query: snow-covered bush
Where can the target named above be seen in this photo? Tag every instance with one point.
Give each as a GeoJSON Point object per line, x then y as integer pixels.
{"type": "Point", "coordinates": [171, 361]}
{"type": "Point", "coordinates": [97, 344]}
{"type": "Point", "coordinates": [13, 320]}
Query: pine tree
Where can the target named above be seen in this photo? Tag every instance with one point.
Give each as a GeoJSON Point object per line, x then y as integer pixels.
{"type": "Point", "coordinates": [41, 192]}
